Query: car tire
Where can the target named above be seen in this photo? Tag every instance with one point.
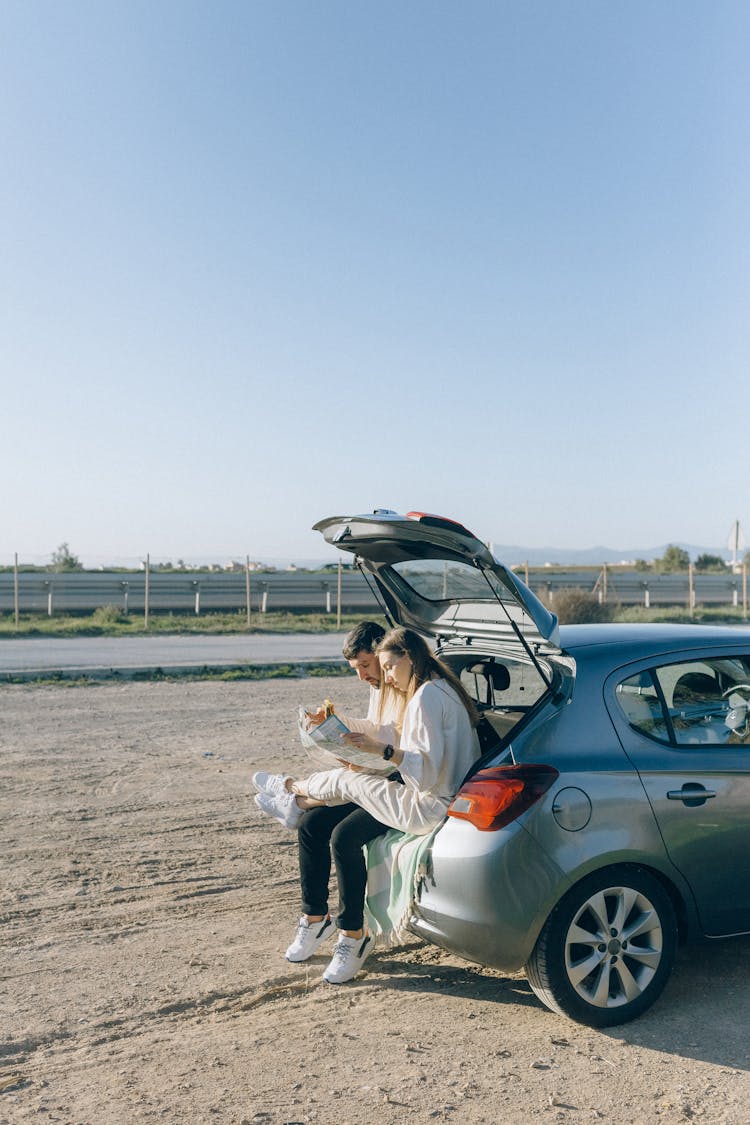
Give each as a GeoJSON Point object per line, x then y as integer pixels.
{"type": "Point", "coordinates": [607, 949]}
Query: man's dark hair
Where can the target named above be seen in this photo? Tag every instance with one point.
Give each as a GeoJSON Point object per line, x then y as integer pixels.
{"type": "Point", "coordinates": [364, 637]}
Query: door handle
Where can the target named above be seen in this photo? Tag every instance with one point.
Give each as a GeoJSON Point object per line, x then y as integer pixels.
{"type": "Point", "coordinates": [690, 794]}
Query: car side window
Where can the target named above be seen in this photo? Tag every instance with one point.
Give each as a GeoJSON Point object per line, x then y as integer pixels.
{"type": "Point", "coordinates": [639, 702]}
{"type": "Point", "coordinates": [693, 693]}
{"type": "Point", "coordinates": [707, 702]}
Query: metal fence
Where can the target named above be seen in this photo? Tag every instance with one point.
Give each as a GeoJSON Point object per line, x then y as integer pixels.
{"type": "Point", "coordinates": [319, 592]}
{"type": "Point", "coordinates": [632, 587]}
{"type": "Point", "coordinates": [196, 592]}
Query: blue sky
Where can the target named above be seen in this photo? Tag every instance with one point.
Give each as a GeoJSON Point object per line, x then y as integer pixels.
{"type": "Point", "coordinates": [267, 262]}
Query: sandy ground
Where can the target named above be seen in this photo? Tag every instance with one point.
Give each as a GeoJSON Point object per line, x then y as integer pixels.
{"type": "Point", "coordinates": [145, 906]}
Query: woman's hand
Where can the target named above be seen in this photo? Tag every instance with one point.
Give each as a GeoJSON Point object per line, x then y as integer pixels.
{"type": "Point", "coordinates": [363, 742]}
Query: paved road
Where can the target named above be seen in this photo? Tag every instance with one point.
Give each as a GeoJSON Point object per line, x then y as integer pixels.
{"type": "Point", "coordinates": [18, 656]}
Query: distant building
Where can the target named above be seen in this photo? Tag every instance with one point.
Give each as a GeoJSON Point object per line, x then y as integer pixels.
{"type": "Point", "coordinates": [235, 567]}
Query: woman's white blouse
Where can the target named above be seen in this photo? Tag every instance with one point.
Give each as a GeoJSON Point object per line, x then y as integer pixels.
{"type": "Point", "coordinates": [438, 742]}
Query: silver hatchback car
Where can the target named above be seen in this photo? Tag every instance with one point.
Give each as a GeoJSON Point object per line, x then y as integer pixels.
{"type": "Point", "coordinates": [609, 816]}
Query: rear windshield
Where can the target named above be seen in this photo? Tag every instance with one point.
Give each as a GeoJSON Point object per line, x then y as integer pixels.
{"type": "Point", "coordinates": [438, 581]}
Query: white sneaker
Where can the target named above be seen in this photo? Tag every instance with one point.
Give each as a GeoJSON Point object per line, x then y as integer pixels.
{"type": "Point", "coordinates": [266, 782]}
{"type": "Point", "coordinates": [308, 939]}
{"type": "Point", "coordinates": [348, 958]}
{"type": "Point", "coordinates": [282, 807]}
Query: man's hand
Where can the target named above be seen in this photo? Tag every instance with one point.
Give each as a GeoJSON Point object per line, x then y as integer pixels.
{"type": "Point", "coordinates": [315, 718]}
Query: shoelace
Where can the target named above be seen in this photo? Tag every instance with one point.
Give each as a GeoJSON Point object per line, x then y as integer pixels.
{"type": "Point", "coordinates": [343, 952]}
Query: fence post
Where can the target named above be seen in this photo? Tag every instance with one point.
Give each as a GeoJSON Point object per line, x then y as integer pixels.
{"type": "Point", "coordinates": [328, 599]}
{"type": "Point", "coordinates": [264, 598]}
{"type": "Point", "coordinates": [338, 597]}
{"type": "Point", "coordinates": [744, 590]}
{"type": "Point", "coordinates": [526, 572]}
{"type": "Point", "coordinates": [691, 590]}
{"type": "Point", "coordinates": [197, 586]}
{"type": "Point", "coordinates": [600, 586]}
{"type": "Point", "coordinates": [15, 589]}
{"type": "Point", "coordinates": [125, 587]}
{"type": "Point", "coordinates": [146, 592]}
{"type": "Point", "coordinates": [247, 587]}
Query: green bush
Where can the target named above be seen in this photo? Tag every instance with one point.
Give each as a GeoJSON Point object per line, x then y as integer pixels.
{"type": "Point", "coordinates": [108, 615]}
{"type": "Point", "coordinates": [577, 607]}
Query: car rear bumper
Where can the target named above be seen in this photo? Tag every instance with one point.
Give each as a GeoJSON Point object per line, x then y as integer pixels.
{"type": "Point", "coordinates": [486, 895]}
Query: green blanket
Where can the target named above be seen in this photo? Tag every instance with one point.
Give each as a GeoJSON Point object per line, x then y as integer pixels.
{"type": "Point", "coordinates": [395, 865]}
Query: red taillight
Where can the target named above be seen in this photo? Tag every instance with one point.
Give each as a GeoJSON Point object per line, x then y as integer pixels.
{"type": "Point", "coordinates": [439, 521]}
{"type": "Point", "coordinates": [494, 797]}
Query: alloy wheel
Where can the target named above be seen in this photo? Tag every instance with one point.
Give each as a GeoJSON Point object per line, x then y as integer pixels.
{"type": "Point", "coordinates": [613, 947]}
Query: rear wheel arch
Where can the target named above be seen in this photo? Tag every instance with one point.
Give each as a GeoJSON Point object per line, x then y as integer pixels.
{"type": "Point", "coordinates": [678, 901]}
{"type": "Point", "coordinates": [686, 925]}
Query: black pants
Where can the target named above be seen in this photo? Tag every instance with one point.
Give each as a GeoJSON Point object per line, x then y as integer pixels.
{"type": "Point", "coordinates": [341, 830]}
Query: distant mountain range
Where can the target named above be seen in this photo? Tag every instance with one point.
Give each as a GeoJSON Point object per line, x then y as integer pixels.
{"type": "Point", "coordinates": [513, 555]}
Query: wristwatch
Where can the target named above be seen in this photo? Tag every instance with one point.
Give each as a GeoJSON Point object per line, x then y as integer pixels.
{"type": "Point", "coordinates": [388, 752]}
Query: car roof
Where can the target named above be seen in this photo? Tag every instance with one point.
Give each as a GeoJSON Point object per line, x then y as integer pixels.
{"type": "Point", "coordinates": [632, 641]}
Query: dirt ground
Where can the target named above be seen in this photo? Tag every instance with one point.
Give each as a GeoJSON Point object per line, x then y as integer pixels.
{"type": "Point", "coordinates": [146, 904]}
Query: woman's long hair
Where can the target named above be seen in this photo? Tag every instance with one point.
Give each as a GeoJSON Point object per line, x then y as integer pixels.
{"type": "Point", "coordinates": [425, 666]}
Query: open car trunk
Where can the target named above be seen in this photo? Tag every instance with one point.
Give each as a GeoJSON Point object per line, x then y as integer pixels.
{"type": "Point", "coordinates": [433, 575]}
